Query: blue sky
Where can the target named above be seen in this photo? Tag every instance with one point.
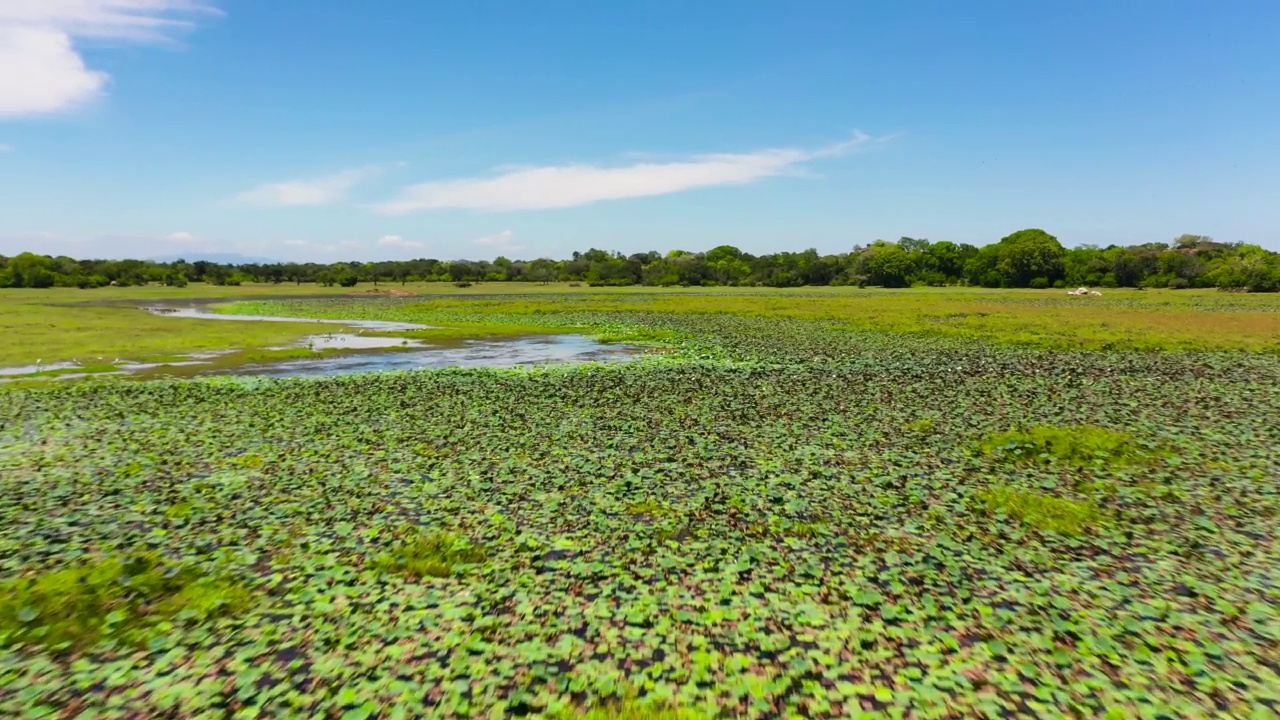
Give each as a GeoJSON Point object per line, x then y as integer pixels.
{"type": "Point", "coordinates": [337, 129]}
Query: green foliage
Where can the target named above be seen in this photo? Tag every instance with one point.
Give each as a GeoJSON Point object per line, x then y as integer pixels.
{"type": "Point", "coordinates": [1042, 511]}
{"type": "Point", "coordinates": [1074, 444]}
{"type": "Point", "coordinates": [114, 597]}
{"type": "Point", "coordinates": [1026, 258]}
{"type": "Point", "coordinates": [419, 554]}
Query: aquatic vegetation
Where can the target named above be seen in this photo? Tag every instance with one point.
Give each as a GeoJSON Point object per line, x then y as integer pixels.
{"type": "Point", "coordinates": [1041, 510]}
{"type": "Point", "coordinates": [418, 554]}
{"type": "Point", "coordinates": [778, 517]}
{"type": "Point", "coordinates": [1077, 444]}
{"type": "Point", "coordinates": [114, 598]}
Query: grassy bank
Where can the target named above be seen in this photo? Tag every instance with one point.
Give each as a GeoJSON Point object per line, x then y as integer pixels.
{"type": "Point", "coordinates": [93, 334]}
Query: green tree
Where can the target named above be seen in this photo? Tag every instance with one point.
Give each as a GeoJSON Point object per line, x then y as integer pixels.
{"type": "Point", "coordinates": [726, 265]}
{"type": "Point", "coordinates": [888, 264]}
{"type": "Point", "coordinates": [1029, 254]}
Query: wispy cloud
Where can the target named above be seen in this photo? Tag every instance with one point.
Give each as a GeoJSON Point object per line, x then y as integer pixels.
{"type": "Point", "coordinates": [181, 237]}
{"type": "Point", "coordinates": [40, 69]}
{"type": "Point", "coordinates": [502, 241]}
{"type": "Point", "coordinates": [310, 191]}
{"type": "Point", "coordinates": [296, 243]}
{"type": "Point", "coordinates": [398, 242]}
{"type": "Point", "coordinates": [558, 186]}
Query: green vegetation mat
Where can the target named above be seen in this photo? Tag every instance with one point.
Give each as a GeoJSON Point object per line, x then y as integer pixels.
{"type": "Point", "coordinates": [775, 518]}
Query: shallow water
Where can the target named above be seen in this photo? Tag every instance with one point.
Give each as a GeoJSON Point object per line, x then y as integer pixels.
{"type": "Point", "coordinates": [349, 341]}
{"type": "Point", "coordinates": [29, 369]}
{"type": "Point", "coordinates": [367, 353]}
{"type": "Point", "coordinates": [516, 352]}
{"type": "Point", "coordinates": [199, 312]}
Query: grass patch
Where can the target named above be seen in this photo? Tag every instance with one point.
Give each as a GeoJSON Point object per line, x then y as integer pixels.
{"type": "Point", "coordinates": [64, 332]}
{"type": "Point", "coordinates": [633, 335]}
{"type": "Point", "coordinates": [633, 708]}
{"type": "Point", "coordinates": [923, 425]}
{"type": "Point", "coordinates": [1074, 444]}
{"type": "Point", "coordinates": [1041, 510]}
{"type": "Point", "coordinates": [417, 554]}
{"type": "Point", "coordinates": [115, 597]}
{"type": "Point", "coordinates": [646, 507]}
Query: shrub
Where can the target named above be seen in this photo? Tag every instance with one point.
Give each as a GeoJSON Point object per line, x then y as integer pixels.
{"type": "Point", "coordinates": [462, 284]}
{"type": "Point", "coordinates": [1040, 283]}
{"type": "Point", "coordinates": [1041, 510]}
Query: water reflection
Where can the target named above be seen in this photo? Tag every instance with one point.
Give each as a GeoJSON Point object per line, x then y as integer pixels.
{"type": "Point", "coordinates": [199, 312]}
{"type": "Point", "coordinates": [469, 354]}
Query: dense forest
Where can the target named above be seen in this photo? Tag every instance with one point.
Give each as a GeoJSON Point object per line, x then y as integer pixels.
{"type": "Point", "coordinates": [1028, 258]}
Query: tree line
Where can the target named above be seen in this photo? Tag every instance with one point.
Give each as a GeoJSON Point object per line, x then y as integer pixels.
{"type": "Point", "coordinates": [1030, 258]}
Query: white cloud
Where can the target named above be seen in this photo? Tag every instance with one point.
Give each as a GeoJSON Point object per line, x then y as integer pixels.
{"type": "Point", "coordinates": [399, 242]}
{"type": "Point", "coordinates": [296, 243]}
{"type": "Point", "coordinates": [558, 186]}
{"type": "Point", "coordinates": [312, 191]}
{"type": "Point", "coordinates": [40, 69]}
{"type": "Point", "coordinates": [501, 241]}
{"type": "Point", "coordinates": [41, 73]}
{"type": "Point", "coordinates": [181, 237]}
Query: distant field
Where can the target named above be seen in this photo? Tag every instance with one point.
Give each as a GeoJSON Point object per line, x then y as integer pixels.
{"type": "Point", "coordinates": [64, 324]}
